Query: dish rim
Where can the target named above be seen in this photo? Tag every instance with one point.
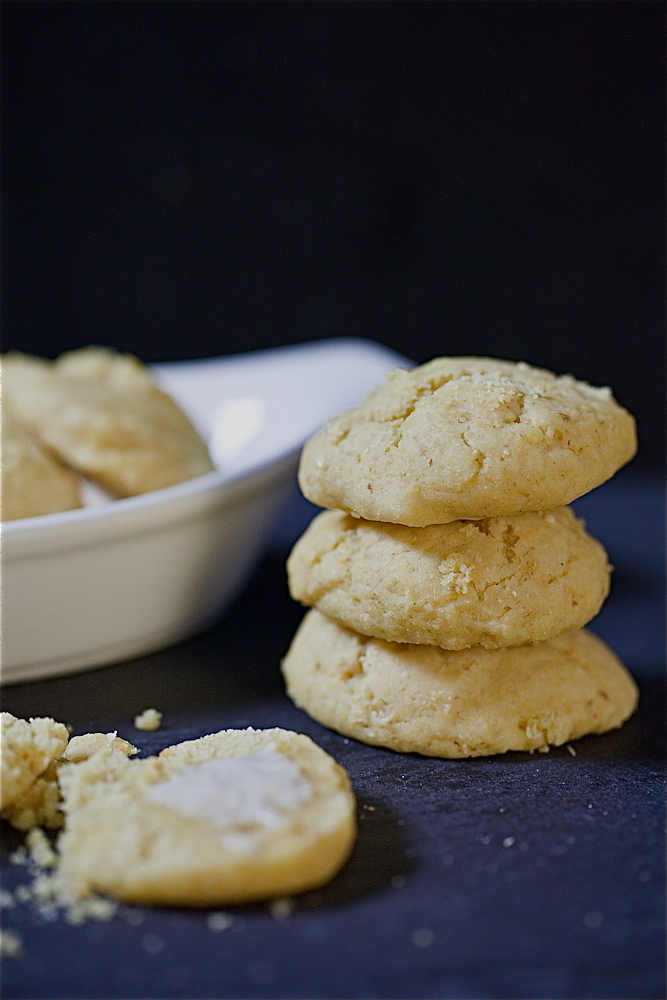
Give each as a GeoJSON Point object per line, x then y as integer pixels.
{"type": "Point", "coordinates": [148, 511]}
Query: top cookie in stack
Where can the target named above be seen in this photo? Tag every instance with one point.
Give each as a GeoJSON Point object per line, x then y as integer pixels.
{"type": "Point", "coordinates": [467, 438]}
{"type": "Point", "coordinates": [450, 532]}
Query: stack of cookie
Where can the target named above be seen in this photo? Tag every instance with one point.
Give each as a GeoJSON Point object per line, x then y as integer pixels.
{"type": "Point", "coordinates": [449, 581]}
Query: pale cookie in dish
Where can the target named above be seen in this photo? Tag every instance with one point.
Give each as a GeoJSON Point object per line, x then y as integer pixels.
{"type": "Point", "coordinates": [500, 581]}
{"type": "Point", "coordinates": [468, 703]}
{"type": "Point", "coordinates": [236, 816]}
{"type": "Point", "coordinates": [467, 438]}
{"type": "Point", "coordinates": [103, 415]}
{"type": "Point", "coordinates": [34, 482]}
{"type": "Point", "coordinates": [28, 790]}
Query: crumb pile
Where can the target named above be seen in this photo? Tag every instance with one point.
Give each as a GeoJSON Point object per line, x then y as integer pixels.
{"type": "Point", "coordinates": [448, 579]}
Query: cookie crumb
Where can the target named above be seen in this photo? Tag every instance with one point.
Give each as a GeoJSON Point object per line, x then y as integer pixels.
{"type": "Point", "coordinates": [51, 891]}
{"type": "Point", "coordinates": [571, 750]}
{"type": "Point", "coordinates": [55, 891]}
{"type": "Point", "coordinates": [82, 748]}
{"type": "Point", "coordinates": [281, 908]}
{"type": "Point", "coordinates": [149, 720]}
{"type": "Point", "coordinates": [219, 921]}
{"type": "Point", "coordinates": [40, 849]}
{"type": "Point", "coordinates": [152, 943]}
{"type": "Point", "coordinates": [11, 944]}
{"type": "Point", "coordinates": [423, 937]}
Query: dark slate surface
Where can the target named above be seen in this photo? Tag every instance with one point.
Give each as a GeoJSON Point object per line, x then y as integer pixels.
{"type": "Point", "coordinates": [517, 876]}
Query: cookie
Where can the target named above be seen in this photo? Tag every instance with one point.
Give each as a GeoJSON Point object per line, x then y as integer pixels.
{"type": "Point", "coordinates": [28, 788]}
{"type": "Point", "coordinates": [32, 753]}
{"type": "Point", "coordinates": [103, 415]}
{"type": "Point", "coordinates": [466, 703]}
{"type": "Point", "coordinates": [500, 581]}
{"type": "Point", "coordinates": [236, 816]}
{"type": "Point", "coordinates": [33, 481]}
{"type": "Point", "coordinates": [467, 438]}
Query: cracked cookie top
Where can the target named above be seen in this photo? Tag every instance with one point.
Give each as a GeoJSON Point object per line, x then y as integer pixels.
{"type": "Point", "coordinates": [496, 582]}
{"type": "Point", "coordinates": [467, 438]}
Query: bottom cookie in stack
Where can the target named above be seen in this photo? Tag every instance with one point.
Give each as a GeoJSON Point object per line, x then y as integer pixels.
{"type": "Point", "coordinates": [462, 703]}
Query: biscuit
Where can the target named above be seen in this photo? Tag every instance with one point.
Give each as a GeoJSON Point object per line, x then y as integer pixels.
{"type": "Point", "coordinates": [467, 438]}
{"type": "Point", "coordinates": [33, 481]}
{"type": "Point", "coordinates": [28, 788]}
{"type": "Point", "coordinates": [236, 816]}
{"type": "Point", "coordinates": [501, 581]}
{"type": "Point", "coordinates": [32, 753]}
{"type": "Point", "coordinates": [466, 703]}
{"type": "Point", "coordinates": [103, 415]}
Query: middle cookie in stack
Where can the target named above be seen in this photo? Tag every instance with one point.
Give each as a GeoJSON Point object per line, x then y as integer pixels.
{"type": "Point", "coordinates": [461, 638]}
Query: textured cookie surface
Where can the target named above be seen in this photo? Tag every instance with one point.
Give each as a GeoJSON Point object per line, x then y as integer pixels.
{"type": "Point", "coordinates": [501, 581]}
{"type": "Point", "coordinates": [232, 817]}
{"type": "Point", "coordinates": [103, 415]}
{"type": "Point", "coordinates": [29, 751]}
{"type": "Point", "coordinates": [467, 438]}
{"type": "Point", "coordinates": [32, 752]}
{"type": "Point", "coordinates": [33, 481]}
{"type": "Point", "coordinates": [456, 704]}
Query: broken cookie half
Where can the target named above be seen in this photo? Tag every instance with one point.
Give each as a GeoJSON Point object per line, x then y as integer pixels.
{"type": "Point", "coordinates": [233, 817]}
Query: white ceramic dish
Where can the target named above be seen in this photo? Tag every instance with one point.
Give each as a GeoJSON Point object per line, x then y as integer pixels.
{"type": "Point", "coordinates": [119, 578]}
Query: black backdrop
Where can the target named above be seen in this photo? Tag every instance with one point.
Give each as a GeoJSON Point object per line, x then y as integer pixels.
{"type": "Point", "coordinates": [183, 179]}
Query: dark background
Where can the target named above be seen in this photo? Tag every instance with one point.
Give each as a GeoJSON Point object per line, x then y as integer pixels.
{"type": "Point", "coordinates": [192, 179]}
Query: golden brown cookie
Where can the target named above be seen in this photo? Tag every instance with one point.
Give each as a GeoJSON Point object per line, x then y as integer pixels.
{"type": "Point", "coordinates": [500, 581]}
{"type": "Point", "coordinates": [33, 481]}
{"type": "Point", "coordinates": [232, 817]}
{"type": "Point", "coordinates": [467, 438]}
{"type": "Point", "coordinates": [103, 415]}
{"type": "Point", "coordinates": [467, 703]}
